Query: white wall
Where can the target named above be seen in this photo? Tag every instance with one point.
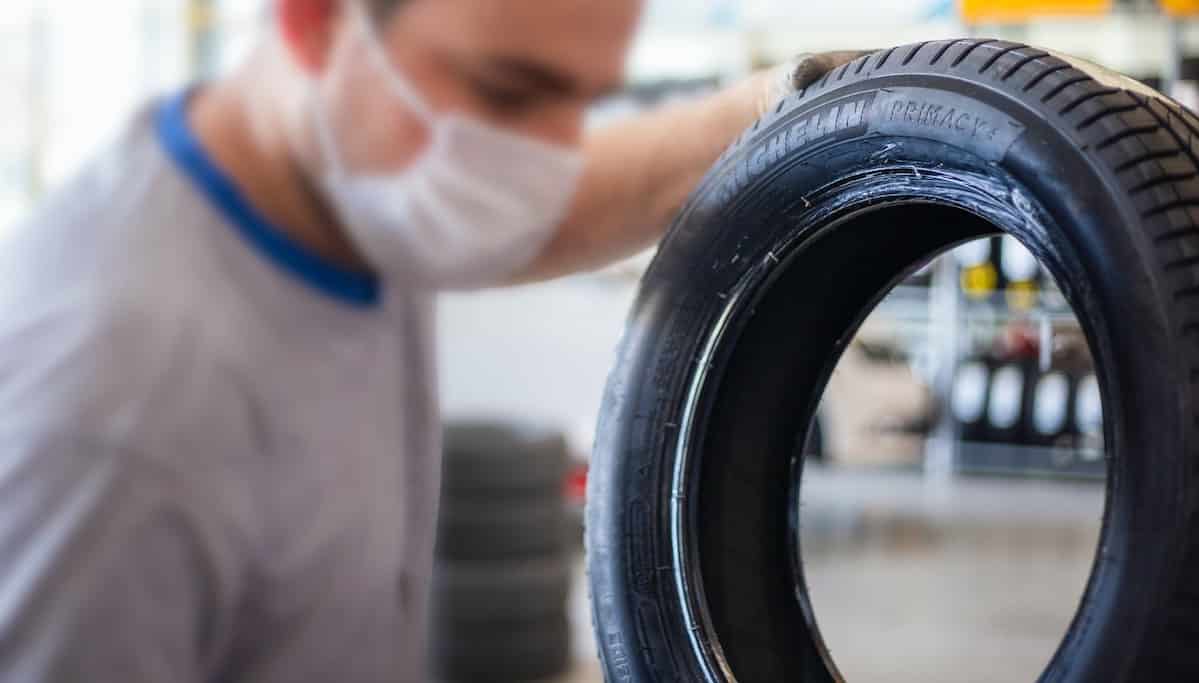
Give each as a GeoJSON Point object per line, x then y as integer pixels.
{"type": "Point", "coordinates": [539, 353]}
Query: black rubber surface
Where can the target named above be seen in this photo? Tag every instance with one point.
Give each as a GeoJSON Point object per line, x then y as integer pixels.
{"type": "Point", "coordinates": [504, 528]}
{"type": "Point", "coordinates": [499, 592]}
{"type": "Point", "coordinates": [512, 652]}
{"type": "Point", "coordinates": [495, 459]}
{"type": "Point", "coordinates": [793, 236]}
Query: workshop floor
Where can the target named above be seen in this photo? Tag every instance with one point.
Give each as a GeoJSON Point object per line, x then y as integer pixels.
{"type": "Point", "coordinates": [923, 581]}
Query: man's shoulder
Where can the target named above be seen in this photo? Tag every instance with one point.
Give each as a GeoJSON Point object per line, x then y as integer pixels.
{"type": "Point", "coordinates": [85, 367]}
{"type": "Point", "coordinates": [99, 294]}
{"type": "Point", "coordinates": [95, 359]}
{"type": "Point", "coordinates": [108, 268]}
{"type": "Point", "coordinates": [121, 200]}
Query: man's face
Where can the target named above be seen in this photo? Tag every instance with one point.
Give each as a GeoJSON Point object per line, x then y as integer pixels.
{"type": "Point", "coordinates": [531, 66]}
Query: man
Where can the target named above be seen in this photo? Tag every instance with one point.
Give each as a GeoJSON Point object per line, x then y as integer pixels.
{"type": "Point", "coordinates": [218, 433]}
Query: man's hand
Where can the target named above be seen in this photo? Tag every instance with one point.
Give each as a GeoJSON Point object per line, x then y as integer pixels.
{"type": "Point", "coordinates": [789, 78]}
{"type": "Point", "coordinates": [639, 172]}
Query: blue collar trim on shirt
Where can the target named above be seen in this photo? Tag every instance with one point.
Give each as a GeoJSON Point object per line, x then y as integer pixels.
{"type": "Point", "coordinates": [175, 133]}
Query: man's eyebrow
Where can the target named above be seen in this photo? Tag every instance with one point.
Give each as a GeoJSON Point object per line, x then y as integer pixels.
{"type": "Point", "coordinates": [546, 78]}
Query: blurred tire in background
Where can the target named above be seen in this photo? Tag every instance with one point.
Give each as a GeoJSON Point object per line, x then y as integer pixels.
{"type": "Point", "coordinates": [502, 578]}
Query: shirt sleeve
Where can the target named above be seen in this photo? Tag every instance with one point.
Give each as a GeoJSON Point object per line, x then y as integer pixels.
{"type": "Point", "coordinates": [107, 571]}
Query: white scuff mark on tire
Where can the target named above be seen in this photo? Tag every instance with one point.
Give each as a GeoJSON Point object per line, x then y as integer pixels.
{"type": "Point", "coordinates": [882, 153]}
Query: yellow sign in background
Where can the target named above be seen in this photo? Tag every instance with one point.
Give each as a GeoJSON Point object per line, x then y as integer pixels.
{"type": "Point", "coordinates": [1181, 8]}
{"type": "Point", "coordinates": [980, 11]}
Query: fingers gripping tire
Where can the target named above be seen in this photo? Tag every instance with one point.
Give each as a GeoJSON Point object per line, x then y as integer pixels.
{"type": "Point", "coordinates": [793, 236]}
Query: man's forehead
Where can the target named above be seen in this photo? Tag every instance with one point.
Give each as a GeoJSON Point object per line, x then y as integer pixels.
{"type": "Point", "coordinates": [531, 16]}
{"type": "Point", "coordinates": [586, 38]}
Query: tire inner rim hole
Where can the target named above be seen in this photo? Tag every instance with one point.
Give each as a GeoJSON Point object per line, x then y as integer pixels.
{"type": "Point", "coordinates": [943, 507]}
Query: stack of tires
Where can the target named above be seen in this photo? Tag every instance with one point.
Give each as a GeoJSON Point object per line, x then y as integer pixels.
{"type": "Point", "coordinates": [1016, 402]}
{"type": "Point", "coordinates": [499, 612]}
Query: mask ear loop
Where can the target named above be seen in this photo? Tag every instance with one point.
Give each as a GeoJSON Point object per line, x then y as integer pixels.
{"type": "Point", "coordinates": [399, 85]}
{"type": "Point", "coordinates": [402, 87]}
{"type": "Point", "coordinates": [324, 133]}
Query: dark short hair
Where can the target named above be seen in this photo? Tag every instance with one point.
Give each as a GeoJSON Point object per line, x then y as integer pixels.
{"type": "Point", "coordinates": [381, 9]}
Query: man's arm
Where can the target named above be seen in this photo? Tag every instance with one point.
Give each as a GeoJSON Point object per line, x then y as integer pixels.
{"type": "Point", "coordinates": [639, 172]}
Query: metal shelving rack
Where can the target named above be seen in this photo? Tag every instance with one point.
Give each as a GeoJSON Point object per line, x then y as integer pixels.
{"type": "Point", "coordinates": [942, 318]}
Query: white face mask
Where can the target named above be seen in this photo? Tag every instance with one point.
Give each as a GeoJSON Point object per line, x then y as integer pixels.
{"type": "Point", "coordinates": [478, 205]}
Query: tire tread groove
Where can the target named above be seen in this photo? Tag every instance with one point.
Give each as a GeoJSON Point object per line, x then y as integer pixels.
{"type": "Point", "coordinates": [1185, 203]}
{"type": "Point", "coordinates": [885, 56]}
{"type": "Point", "coordinates": [1176, 234]}
{"type": "Point", "coordinates": [1074, 104]}
{"type": "Point", "coordinates": [941, 52]}
{"type": "Point", "coordinates": [1057, 89]}
{"type": "Point", "coordinates": [1161, 180]}
{"type": "Point", "coordinates": [1135, 131]}
{"type": "Point", "coordinates": [1132, 163]}
{"type": "Point", "coordinates": [973, 46]}
{"type": "Point", "coordinates": [1181, 263]}
{"type": "Point", "coordinates": [913, 52]}
{"type": "Point", "coordinates": [1024, 61]}
{"type": "Point", "coordinates": [997, 55]}
{"type": "Point", "coordinates": [1102, 114]}
{"type": "Point", "coordinates": [1035, 80]}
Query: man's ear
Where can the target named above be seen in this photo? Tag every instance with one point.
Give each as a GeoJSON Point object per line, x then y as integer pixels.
{"type": "Point", "coordinates": [308, 28]}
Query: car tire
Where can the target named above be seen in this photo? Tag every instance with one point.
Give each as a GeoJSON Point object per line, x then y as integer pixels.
{"type": "Point", "coordinates": [496, 459]}
{"type": "Point", "coordinates": [968, 399]}
{"type": "Point", "coordinates": [502, 576]}
{"type": "Point", "coordinates": [503, 528]}
{"type": "Point", "coordinates": [795, 234]}
{"type": "Point", "coordinates": [511, 652]}
{"type": "Point", "coordinates": [501, 591]}
{"type": "Point", "coordinates": [1052, 404]}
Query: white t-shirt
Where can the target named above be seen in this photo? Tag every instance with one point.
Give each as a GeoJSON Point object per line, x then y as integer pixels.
{"type": "Point", "coordinates": [218, 453]}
